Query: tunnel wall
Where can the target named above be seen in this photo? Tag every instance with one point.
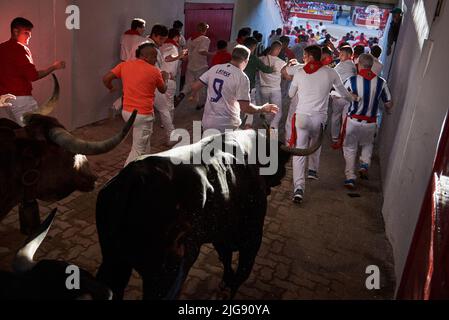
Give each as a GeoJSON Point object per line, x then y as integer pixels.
{"type": "Point", "coordinates": [419, 81]}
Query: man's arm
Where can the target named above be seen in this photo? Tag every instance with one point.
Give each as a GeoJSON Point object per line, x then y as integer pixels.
{"type": "Point", "coordinates": [341, 89]}
{"type": "Point", "coordinates": [263, 67]}
{"type": "Point", "coordinates": [250, 108]}
{"type": "Point", "coordinates": [293, 87]}
{"type": "Point", "coordinates": [180, 56]}
{"type": "Point", "coordinates": [206, 53]}
{"type": "Point", "coordinates": [107, 81]}
{"type": "Point", "coordinates": [204, 49]}
{"type": "Point", "coordinates": [162, 85]}
{"type": "Point", "coordinates": [55, 66]}
{"type": "Point", "coordinates": [284, 72]}
{"type": "Point", "coordinates": [196, 86]}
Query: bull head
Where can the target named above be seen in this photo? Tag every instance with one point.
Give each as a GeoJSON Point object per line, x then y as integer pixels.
{"type": "Point", "coordinates": [44, 161]}
{"type": "Point", "coordinates": [46, 279]}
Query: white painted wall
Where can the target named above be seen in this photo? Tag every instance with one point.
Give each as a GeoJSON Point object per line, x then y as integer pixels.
{"type": "Point", "coordinates": [96, 48]}
{"type": "Point", "coordinates": [47, 45]}
{"type": "Point", "coordinates": [91, 51]}
{"type": "Point", "coordinates": [410, 136]}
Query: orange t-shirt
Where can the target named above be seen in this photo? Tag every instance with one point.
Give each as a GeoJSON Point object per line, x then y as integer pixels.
{"type": "Point", "coordinates": [140, 82]}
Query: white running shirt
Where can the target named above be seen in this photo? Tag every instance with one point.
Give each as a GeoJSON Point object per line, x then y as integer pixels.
{"type": "Point", "coordinates": [313, 90]}
{"type": "Point", "coordinates": [346, 70]}
{"type": "Point", "coordinates": [167, 50]}
{"type": "Point", "coordinates": [226, 85]}
{"type": "Point", "coordinates": [272, 80]}
{"type": "Point", "coordinates": [197, 61]}
{"type": "Point", "coordinates": [129, 44]}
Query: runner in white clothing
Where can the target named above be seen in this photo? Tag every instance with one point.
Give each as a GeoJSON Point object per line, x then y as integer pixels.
{"type": "Point", "coordinates": [270, 83]}
{"type": "Point", "coordinates": [165, 103]}
{"type": "Point", "coordinates": [346, 69]}
{"type": "Point", "coordinates": [198, 46]}
{"type": "Point", "coordinates": [361, 125]}
{"type": "Point", "coordinates": [228, 93]}
{"type": "Point", "coordinates": [132, 39]}
{"type": "Point", "coordinates": [376, 52]}
{"type": "Point", "coordinates": [312, 84]}
{"type": "Point", "coordinates": [288, 73]}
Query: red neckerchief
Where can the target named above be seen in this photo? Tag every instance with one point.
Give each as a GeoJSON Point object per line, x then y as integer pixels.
{"type": "Point", "coordinates": [132, 32]}
{"type": "Point", "coordinates": [313, 67]}
{"type": "Point", "coordinates": [196, 35]}
{"type": "Point", "coordinates": [294, 134]}
{"type": "Point", "coordinates": [240, 41]}
{"type": "Point", "coordinates": [327, 61]}
{"type": "Point", "coordinates": [367, 74]}
{"type": "Point", "coordinates": [173, 42]}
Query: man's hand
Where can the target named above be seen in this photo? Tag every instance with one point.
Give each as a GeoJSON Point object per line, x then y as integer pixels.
{"type": "Point", "coordinates": [184, 53]}
{"type": "Point", "coordinates": [270, 108]}
{"type": "Point", "coordinates": [355, 97]}
{"type": "Point", "coordinates": [5, 98]}
{"type": "Point", "coordinates": [58, 65]}
{"type": "Point", "coordinates": [292, 62]}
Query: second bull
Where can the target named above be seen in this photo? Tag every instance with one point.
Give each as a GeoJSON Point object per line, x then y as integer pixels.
{"type": "Point", "coordinates": [155, 215]}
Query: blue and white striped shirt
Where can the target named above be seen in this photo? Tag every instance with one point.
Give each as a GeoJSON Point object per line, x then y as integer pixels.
{"type": "Point", "coordinates": [371, 93]}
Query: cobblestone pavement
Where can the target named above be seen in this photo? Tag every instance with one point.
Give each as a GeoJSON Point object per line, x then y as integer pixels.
{"type": "Point", "coordinates": [318, 250]}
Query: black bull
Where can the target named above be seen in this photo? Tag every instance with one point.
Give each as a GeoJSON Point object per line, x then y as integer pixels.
{"type": "Point", "coordinates": [155, 215]}
{"type": "Point", "coordinates": [46, 279]}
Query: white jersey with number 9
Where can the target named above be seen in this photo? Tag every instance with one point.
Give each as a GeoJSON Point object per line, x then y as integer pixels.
{"type": "Point", "coordinates": [226, 85]}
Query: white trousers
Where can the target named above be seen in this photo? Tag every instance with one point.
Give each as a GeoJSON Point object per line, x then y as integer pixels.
{"type": "Point", "coordinates": [143, 129]}
{"type": "Point", "coordinates": [340, 108]}
{"type": "Point", "coordinates": [20, 106]}
{"type": "Point", "coordinates": [269, 95]}
{"type": "Point", "coordinates": [165, 105]}
{"type": "Point", "coordinates": [308, 128]}
{"type": "Point", "coordinates": [358, 134]}
{"type": "Point", "coordinates": [191, 77]}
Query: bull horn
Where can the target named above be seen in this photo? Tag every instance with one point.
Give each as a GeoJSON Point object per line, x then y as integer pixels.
{"type": "Point", "coordinates": [265, 123]}
{"type": "Point", "coordinates": [305, 152]}
{"type": "Point", "coordinates": [244, 121]}
{"type": "Point", "coordinates": [50, 105]}
{"type": "Point", "coordinates": [74, 145]}
{"type": "Point", "coordinates": [23, 261]}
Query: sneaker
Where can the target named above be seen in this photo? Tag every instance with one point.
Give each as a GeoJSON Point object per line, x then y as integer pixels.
{"type": "Point", "coordinates": [350, 184]}
{"type": "Point", "coordinates": [363, 171]}
{"type": "Point", "coordinates": [179, 98]}
{"type": "Point", "coordinates": [298, 196]}
{"type": "Point", "coordinates": [313, 175]}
